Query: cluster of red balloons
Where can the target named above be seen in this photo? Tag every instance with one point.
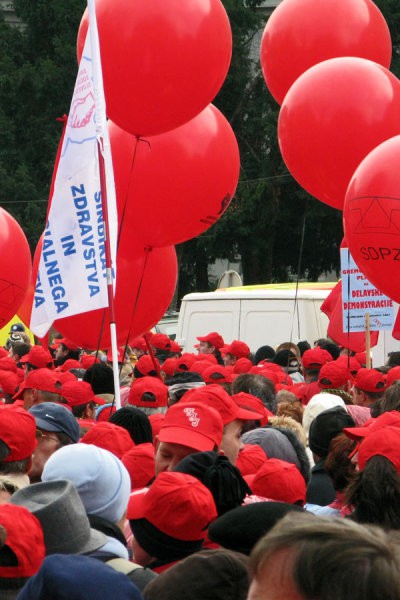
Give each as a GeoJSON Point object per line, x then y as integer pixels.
{"type": "Point", "coordinates": [327, 64]}
{"type": "Point", "coordinates": [175, 157]}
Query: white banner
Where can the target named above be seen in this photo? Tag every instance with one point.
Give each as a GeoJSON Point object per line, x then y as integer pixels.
{"type": "Point", "coordinates": [72, 276]}
{"type": "Point", "coordinates": [359, 297]}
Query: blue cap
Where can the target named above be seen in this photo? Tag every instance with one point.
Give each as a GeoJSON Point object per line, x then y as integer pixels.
{"type": "Point", "coordinates": [55, 417]}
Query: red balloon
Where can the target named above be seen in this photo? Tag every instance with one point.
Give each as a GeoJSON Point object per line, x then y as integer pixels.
{"type": "Point", "coordinates": [163, 60]}
{"type": "Point", "coordinates": [301, 33]}
{"type": "Point", "coordinates": [331, 118]}
{"type": "Point", "coordinates": [178, 184]}
{"type": "Point", "coordinates": [146, 280]}
{"type": "Point", "coordinates": [15, 266]}
{"type": "Point", "coordinates": [372, 217]}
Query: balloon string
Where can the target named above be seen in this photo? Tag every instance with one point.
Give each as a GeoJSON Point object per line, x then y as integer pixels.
{"type": "Point", "coordinates": [295, 307]}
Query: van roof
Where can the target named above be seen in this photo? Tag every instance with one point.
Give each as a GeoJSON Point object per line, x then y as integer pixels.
{"type": "Point", "coordinates": [306, 290]}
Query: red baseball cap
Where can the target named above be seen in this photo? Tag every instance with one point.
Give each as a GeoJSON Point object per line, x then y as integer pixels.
{"type": "Point", "coordinates": [361, 358]}
{"type": "Point", "coordinates": [390, 418]}
{"type": "Point", "coordinates": [169, 366]}
{"type": "Point", "coordinates": [217, 374]}
{"type": "Point", "coordinates": [392, 375]}
{"type": "Point", "coordinates": [315, 358]}
{"type": "Point", "coordinates": [383, 442]}
{"type": "Point", "coordinates": [175, 347]}
{"type": "Point", "coordinates": [24, 538]}
{"type": "Point", "coordinates": [145, 364]}
{"type": "Point", "coordinates": [213, 338]}
{"type": "Point", "coordinates": [109, 436]}
{"type": "Point", "coordinates": [242, 365]}
{"type": "Point", "coordinates": [253, 404]}
{"type": "Point", "coordinates": [104, 412]}
{"type": "Point", "coordinates": [210, 358]}
{"type": "Point", "coordinates": [278, 480]}
{"type": "Point", "coordinates": [177, 504]}
{"type": "Point", "coordinates": [333, 375]}
{"type": "Point", "coordinates": [37, 356]}
{"type": "Point", "coordinates": [70, 363]}
{"type": "Point", "coordinates": [68, 344]}
{"type": "Point", "coordinates": [88, 360]}
{"type": "Point", "coordinates": [9, 382]}
{"type": "Point", "coordinates": [350, 362]}
{"type": "Point", "coordinates": [250, 459]}
{"type": "Point", "coordinates": [161, 341]}
{"type": "Point", "coordinates": [195, 425]}
{"type": "Point", "coordinates": [8, 364]}
{"type": "Point", "coordinates": [18, 431]}
{"type": "Point", "coordinates": [156, 421]}
{"type": "Point", "coordinates": [237, 348]}
{"type": "Point", "coordinates": [370, 380]}
{"type": "Point", "coordinates": [139, 343]}
{"type": "Point", "coordinates": [217, 398]}
{"type": "Point", "coordinates": [140, 464]}
{"type": "Point", "coordinates": [185, 362]}
{"type": "Point", "coordinates": [154, 388]}
{"type": "Point", "coordinates": [77, 393]}
{"type": "Point", "coordinates": [40, 379]}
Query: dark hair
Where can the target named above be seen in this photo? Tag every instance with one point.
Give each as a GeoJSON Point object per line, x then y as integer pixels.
{"type": "Point", "coordinates": [375, 494]}
{"type": "Point", "coordinates": [393, 359]}
{"type": "Point", "coordinates": [264, 353]}
{"type": "Point", "coordinates": [337, 464]}
{"type": "Point", "coordinates": [136, 422]}
{"type": "Point", "coordinates": [14, 466]}
{"type": "Point", "coordinates": [303, 346]}
{"type": "Point", "coordinates": [101, 378]}
{"type": "Point", "coordinates": [74, 354]}
{"type": "Point", "coordinates": [137, 374]}
{"type": "Point", "coordinates": [258, 386]}
{"type": "Point", "coordinates": [330, 346]}
{"type": "Point", "coordinates": [20, 348]}
{"type": "Point", "coordinates": [391, 398]}
{"type": "Point", "coordinates": [78, 411]}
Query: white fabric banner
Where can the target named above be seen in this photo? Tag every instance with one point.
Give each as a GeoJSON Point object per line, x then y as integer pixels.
{"type": "Point", "coordinates": [72, 276]}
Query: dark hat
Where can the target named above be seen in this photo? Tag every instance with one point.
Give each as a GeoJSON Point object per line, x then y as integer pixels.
{"type": "Point", "coordinates": [207, 575]}
{"type": "Point", "coordinates": [241, 528]}
{"type": "Point", "coordinates": [327, 425]}
{"type": "Point", "coordinates": [55, 417]}
{"type": "Point", "coordinates": [17, 327]}
{"type": "Point", "coordinates": [62, 516]}
{"type": "Point", "coordinates": [78, 578]}
{"type": "Point", "coordinates": [224, 480]}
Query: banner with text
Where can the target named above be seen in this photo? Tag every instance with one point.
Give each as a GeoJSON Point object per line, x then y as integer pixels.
{"type": "Point", "coordinates": [72, 275]}
{"type": "Point", "coordinates": [359, 297]}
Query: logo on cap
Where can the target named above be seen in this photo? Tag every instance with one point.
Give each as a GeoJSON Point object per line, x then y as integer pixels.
{"type": "Point", "coordinates": [192, 416]}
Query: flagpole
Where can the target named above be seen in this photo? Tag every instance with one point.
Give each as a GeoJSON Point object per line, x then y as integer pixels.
{"type": "Point", "coordinates": [105, 169]}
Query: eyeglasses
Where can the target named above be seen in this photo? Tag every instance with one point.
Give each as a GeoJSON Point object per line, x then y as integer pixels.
{"type": "Point", "coordinates": [44, 436]}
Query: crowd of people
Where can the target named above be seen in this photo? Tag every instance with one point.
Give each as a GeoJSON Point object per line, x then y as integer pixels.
{"type": "Point", "coordinates": [227, 473]}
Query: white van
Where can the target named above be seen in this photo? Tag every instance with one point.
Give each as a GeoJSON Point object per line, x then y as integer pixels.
{"type": "Point", "coordinates": [263, 315]}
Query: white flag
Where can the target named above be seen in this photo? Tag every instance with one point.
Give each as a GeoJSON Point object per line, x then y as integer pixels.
{"type": "Point", "coordinates": [72, 275]}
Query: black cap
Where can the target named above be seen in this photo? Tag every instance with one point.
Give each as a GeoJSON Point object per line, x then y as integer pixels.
{"type": "Point", "coordinates": [17, 327]}
{"type": "Point", "coordinates": [327, 425]}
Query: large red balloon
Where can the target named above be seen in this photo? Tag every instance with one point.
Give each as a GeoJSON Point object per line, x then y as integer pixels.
{"type": "Point", "coordinates": [15, 266]}
{"type": "Point", "coordinates": [163, 60]}
{"type": "Point", "coordinates": [25, 308]}
{"type": "Point", "coordinates": [302, 33]}
{"type": "Point", "coordinates": [372, 217]}
{"type": "Point", "coordinates": [146, 282]}
{"type": "Point", "coordinates": [331, 118]}
{"type": "Point", "coordinates": [178, 184]}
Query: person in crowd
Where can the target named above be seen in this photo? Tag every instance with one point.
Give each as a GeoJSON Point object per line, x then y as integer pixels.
{"type": "Point", "coordinates": [17, 444]}
{"type": "Point", "coordinates": [101, 378]}
{"type": "Point", "coordinates": [180, 383]}
{"type": "Point", "coordinates": [212, 344]}
{"type": "Point", "coordinates": [369, 386]}
{"type": "Point", "coordinates": [149, 394]}
{"type": "Point", "coordinates": [80, 398]}
{"type": "Point", "coordinates": [37, 358]}
{"type": "Point", "coordinates": [136, 422]}
{"type": "Point", "coordinates": [234, 351]}
{"type": "Point", "coordinates": [310, 557]}
{"type": "Point", "coordinates": [170, 520]}
{"type": "Point", "coordinates": [56, 427]}
{"type": "Point", "coordinates": [258, 386]}
{"type": "Point", "coordinates": [66, 349]}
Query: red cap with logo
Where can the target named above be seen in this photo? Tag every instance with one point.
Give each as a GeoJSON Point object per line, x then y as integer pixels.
{"type": "Point", "coordinates": [237, 348]}
{"type": "Point", "coordinates": [194, 424]}
{"type": "Point", "coordinates": [109, 436]}
{"type": "Point", "coordinates": [213, 338]}
{"type": "Point", "coordinates": [148, 392]}
{"type": "Point", "coordinates": [216, 397]}
{"type": "Point", "coordinates": [177, 504]}
{"type": "Point", "coordinates": [18, 431]}
{"type": "Point", "coordinates": [37, 356]}
{"type": "Point", "coordinates": [370, 380]}
{"type": "Point", "coordinates": [278, 480]}
{"type": "Point", "coordinates": [24, 538]}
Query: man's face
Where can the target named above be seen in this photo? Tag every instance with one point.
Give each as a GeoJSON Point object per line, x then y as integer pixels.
{"type": "Point", "coordinates": [232, 440]}
{"type": "Point", "coordinates": [60, 352]}
{"type": "Point", "coordinates": [47, 444]}
{"type": "Point", "coordinates": [169, 455]}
